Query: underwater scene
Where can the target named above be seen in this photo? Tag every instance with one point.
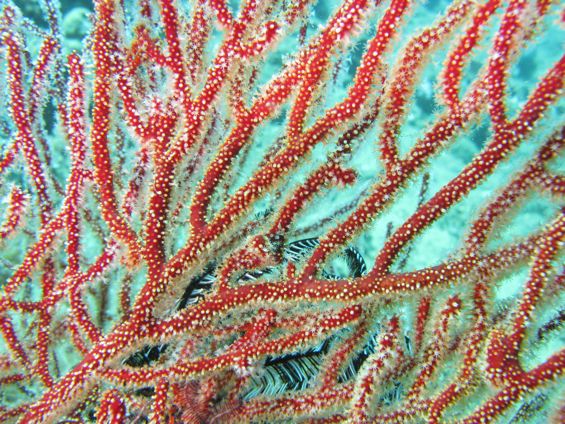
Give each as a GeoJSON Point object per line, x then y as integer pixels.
{"type": "Point", "coordinates": [282, 211]}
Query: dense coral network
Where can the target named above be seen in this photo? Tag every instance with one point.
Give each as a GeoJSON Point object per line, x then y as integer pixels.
{"type": "Point", "coordinates": [282, 211]}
